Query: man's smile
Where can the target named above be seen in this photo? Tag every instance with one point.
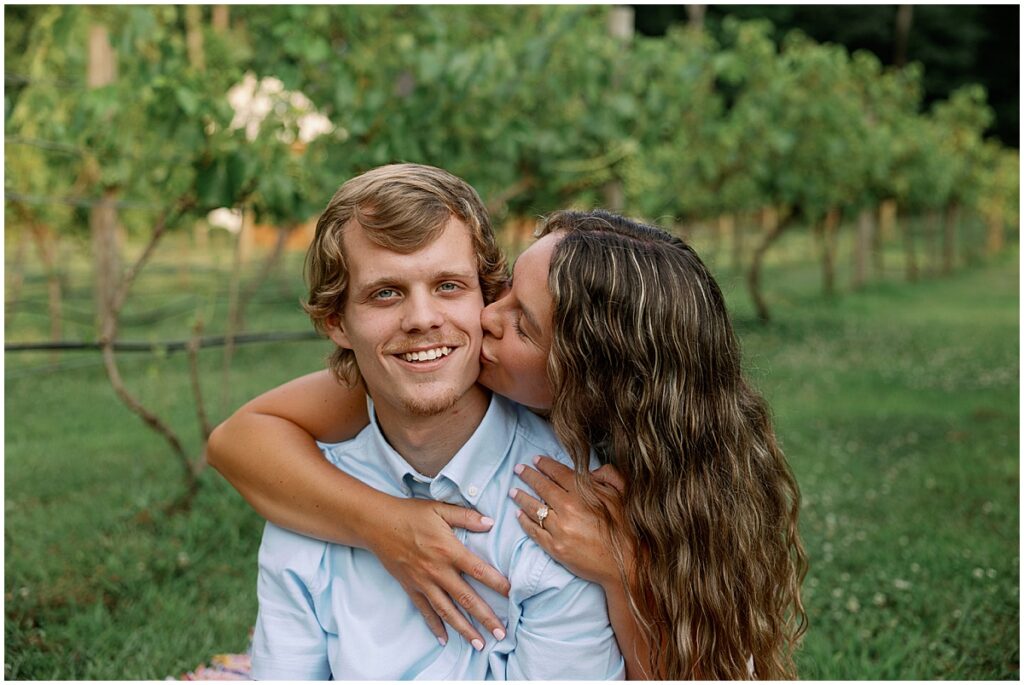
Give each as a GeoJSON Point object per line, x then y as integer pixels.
{"type": "Point", "coordinates": [424, 357]}
{"type": "Point", "coordinates": [427, 355]}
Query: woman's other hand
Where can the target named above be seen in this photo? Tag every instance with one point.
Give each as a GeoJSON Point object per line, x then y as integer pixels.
{"type": "Point", "coordinates": [574, 534]}
{"type": "Point", "coordinates": [417, 546]}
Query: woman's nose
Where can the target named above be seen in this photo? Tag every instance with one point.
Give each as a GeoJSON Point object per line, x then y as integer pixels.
{"type": "Point", "coordinates": [490, 319]}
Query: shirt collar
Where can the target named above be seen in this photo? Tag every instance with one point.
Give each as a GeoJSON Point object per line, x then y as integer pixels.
{"type": "Point", "coordinates": [473, 466]}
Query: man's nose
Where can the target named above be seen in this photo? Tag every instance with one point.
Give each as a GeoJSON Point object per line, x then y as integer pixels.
{"type": "Point", "coordinates": [422, 313]}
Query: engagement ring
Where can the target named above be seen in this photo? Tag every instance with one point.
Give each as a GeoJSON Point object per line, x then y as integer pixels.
{"type": "Point", "coordinates": [542, 514]}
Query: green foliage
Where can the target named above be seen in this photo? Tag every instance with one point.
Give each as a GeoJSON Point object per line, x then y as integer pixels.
{"type": "Point", "coordinates": [537, 106]}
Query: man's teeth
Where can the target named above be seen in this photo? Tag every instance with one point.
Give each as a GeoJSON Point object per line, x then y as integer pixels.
{"type": "Point", "coordinates": [427, 355]}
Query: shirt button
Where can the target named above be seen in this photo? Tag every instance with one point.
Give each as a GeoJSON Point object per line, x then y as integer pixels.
{"type": "Point", "coordinates": [472, 490]}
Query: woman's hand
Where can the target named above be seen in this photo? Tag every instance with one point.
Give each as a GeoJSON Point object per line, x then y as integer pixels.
{"type": "Point", "coordinates": [416, 545]}
{"type": "Point", "coordinates": [574, 534]}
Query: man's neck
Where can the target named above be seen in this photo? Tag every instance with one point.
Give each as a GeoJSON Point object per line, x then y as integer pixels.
{"type": "Point", "coordinates": [428, 443]}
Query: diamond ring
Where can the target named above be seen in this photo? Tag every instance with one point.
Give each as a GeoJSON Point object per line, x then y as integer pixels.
{"type": "Point", "coordinates": [542, 514]}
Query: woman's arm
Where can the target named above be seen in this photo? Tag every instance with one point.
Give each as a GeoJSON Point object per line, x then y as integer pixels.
{"type": "Point", "coordinates": [579, 539]}
{"type": "Point", "coordinates": [267, 450]}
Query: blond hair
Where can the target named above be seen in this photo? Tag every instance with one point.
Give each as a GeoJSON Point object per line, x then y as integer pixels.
{"type": "Point", "coordinates": [645, 369]}
{"type": "Point", "coordinates": [401, 207]}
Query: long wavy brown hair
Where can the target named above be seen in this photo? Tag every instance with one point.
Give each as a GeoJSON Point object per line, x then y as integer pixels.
{"type": "Point", "coordinates": [645, 370]}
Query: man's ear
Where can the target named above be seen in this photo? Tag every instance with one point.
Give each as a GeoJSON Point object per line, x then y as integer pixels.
{"type": "Point", "coordinates": [336, 332]}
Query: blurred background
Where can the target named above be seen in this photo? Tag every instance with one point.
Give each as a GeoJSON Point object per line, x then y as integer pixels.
{"type": "Point", "coordinates": [850, 174]}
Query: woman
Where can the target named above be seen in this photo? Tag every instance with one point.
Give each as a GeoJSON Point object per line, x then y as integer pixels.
{"type": "Point", "coordinates": [620, 332]}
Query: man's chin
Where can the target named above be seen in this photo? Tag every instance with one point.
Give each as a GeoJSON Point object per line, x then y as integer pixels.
{"type": "Point", "coordinates": [430, 406]}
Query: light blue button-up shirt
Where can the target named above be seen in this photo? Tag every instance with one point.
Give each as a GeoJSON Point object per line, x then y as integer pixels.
{"type": "Point", "coordinates": [333, 611]}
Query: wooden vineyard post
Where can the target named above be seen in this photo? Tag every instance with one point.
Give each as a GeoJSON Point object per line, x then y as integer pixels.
{"type": "Point", "coordinates": [994, 237]}
{"type": "Point", "coordinates": [102, 71]}
{"type": "Point", "coordinates": [866, 230]}
{"type": "Point", "coordinates": [829, 238]}
{"type": "Point", "coordinates": [884, 231]}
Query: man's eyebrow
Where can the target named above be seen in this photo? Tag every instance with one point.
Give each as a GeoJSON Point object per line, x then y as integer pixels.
{"type": "Point", "coordinates": [399, 280]}
{"type": "Point", "coordinates": [456, 276]}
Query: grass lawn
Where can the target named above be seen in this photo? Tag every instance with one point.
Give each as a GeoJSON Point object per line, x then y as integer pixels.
{"type": "Point", "coordinates": [897, 405]}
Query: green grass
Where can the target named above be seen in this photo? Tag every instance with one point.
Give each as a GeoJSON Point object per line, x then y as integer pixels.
{"type": "Point", "coordinates": [897, 405]}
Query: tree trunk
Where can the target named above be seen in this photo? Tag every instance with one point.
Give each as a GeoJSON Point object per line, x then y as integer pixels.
{"type": "Point", "coordinates": [904, 19]}
{"type": "Point", "coordinates": [614, 196]}
{"type": "Point", "coordinates": [994, 238]}
{"type": "Point", "coordinates": [102, 68]}
{"type": "Point", "coordinates": [865, 241]}
{"type": "Point", "coordinates": [910, 268]}
{"type": "Point", "coordinates": [621, 28]}
{"type": "Point", "coordinates": [829, 230]}
{"type": "Point", "coordinates": [194, 37]}
{"type": "Point", "coordinates": [108, 337]}
{"type": "Point", "coordinates": [950, 228]}
{"type": "Point", "coordinates": [695, 15]}
{"type": "Point", "coordinates": [754, 272]}
{"type": "Point", "coordinates": [220, 18]}
{"type": "Point", "coordinates": [621, 22]}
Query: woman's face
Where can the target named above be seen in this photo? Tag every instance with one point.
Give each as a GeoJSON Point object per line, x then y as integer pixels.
{"type": "Point", "coordinates": [517, 330]}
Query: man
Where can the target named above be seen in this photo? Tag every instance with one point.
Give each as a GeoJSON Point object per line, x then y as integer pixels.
{"type": "Point", "coordinates": [398, 271]}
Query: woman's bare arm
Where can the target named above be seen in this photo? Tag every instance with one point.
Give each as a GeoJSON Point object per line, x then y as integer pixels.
{"type": "Point", "coordinates": [267, 450]}
{"type": "Point", "coordinates": [580, 540]}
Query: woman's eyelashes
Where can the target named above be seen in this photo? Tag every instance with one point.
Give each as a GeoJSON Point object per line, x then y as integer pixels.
{"type": "Point", "coordinates": [517, 326]}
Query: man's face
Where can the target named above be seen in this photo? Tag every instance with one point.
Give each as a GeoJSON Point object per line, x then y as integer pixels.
{"type": "Point", "coordinates": [413, 320]}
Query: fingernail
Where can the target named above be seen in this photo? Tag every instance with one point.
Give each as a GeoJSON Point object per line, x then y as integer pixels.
{"type": "Point", "coordinates": [498, 633]}
{"type": "Point", "coordinates": [478, 645]}
{"type": "Point", "coordinates": [536, 460]}
{"type": "Point", "coordinates": [513, 492]}
{"type": "Point", "coordinates": [487, 521]}
{"type": "Point", "coordinates": [442, 641]}
{"type": "Point", "coordinates": [517, 469]}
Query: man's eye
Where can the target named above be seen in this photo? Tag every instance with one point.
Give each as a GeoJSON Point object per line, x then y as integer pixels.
{"type": "Point", "coordinates": [385, 294]}
{"type": "Point", "coordinates": [448, 287]}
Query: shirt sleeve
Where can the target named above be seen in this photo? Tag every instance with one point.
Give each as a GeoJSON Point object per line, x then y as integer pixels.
{"type": "Point", "coordinates": [563, 632]}
{"type": "Point", "coordinates": [289, 642]}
